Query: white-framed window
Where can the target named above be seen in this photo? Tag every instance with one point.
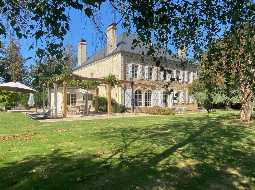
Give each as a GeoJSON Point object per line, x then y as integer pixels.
{"type": "Point", "coordinates": [164, 74]}
{"type": "Point", "coordinates": [147, 98]}
{"type": "Point", "coordinates": [134, 71]}
{"type": "Point", "coordinates": [138, 98]}
{"type": "Point", "coordinates": [178, 75]}
{"type": "Point", "coordinates": [90, 97]}
{"type": "Point", "coordinates": [170, 74]}
{"type": "Point", "coordinates": [150, 70]}
{"type": "Point", "coordinates": [73, 99]}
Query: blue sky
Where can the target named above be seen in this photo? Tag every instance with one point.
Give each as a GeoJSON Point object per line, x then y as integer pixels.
{"type": "Point", "coordinates": [80, 27]}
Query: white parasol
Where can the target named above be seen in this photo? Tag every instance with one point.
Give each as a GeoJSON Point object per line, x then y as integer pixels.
{"type": "Point", "coordinates": [16, 87]}
{"type": "Point", "coordinates": [31, 100]}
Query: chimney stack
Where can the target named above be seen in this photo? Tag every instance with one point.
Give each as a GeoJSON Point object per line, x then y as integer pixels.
{"type": "Point", "coordinates": [82, 52]}
{"type": "Point", "coordinates": [111, 38]}
{"type": "Point", "coordinates": [182, 51]}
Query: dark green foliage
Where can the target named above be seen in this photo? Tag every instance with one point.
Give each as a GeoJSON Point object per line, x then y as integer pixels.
{"type": "Point", "coordinates": [9, 100]}
{"type": "Point", "coordinates": [102, 105]}
{"type": "Point", "coordinates": [84, 84]}
{"type": "Point", "coordinates": [12, 63]}
{"type": "Point", "coordinates": [50, 69]}
{"type": "Point", "coordinates": [111, 80]}
{"type": "Point", "coordinates": [42, 20]}
{"type": "Point", "coordinates": [180, 23]}
{"type": "Point", "coordinates": [118, 108]}
{"type": "Point", "coordinates": [228, 67]}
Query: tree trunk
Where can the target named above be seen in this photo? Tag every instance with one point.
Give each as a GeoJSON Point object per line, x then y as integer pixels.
{"type": "Point", "coordinates": [246, 102]}
{"type": "Point", "coordinates": [96, 100]}
{"type": "Point", "coordinates": [109, 99]}
{"type": "Point", "coordinates": [64, 102]}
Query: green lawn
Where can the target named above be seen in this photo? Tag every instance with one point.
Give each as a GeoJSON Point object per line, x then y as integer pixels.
{"type": "Point", "coordinates": [161, 152]}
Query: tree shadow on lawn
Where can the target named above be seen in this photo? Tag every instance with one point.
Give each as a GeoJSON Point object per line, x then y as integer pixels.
{"type": "Point", "coordinates": [197, 153]}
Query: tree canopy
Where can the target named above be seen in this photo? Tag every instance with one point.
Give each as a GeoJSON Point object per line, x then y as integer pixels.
{"type": "Point", "coordinates": [232, 60]}
{"type": "Point", "coordinates": [191, 24]}
{"type": "Point", "coordinates": [12, 63]}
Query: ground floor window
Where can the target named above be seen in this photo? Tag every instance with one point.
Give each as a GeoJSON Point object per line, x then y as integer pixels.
{"type": "Point", "coordinates": [138, 98]}
{"type": "Point", "coordinates": [73, 99]}
{"type": "Point", "coordinates": [147, 98]}
{"type": "Point", "coordinates": [165, 97]}
{"type": "Point", "coordinates": [68, 99]}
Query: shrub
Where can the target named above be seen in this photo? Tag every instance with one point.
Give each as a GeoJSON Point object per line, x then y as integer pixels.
{"type": "Point", "coordinates": [102, 105]}
{"type": "Point", "coordinates": [118, 108]}
{"type": "Point", "coordinates": [9, 100]}
{"type": "Point", "coordinates": [155, 110]}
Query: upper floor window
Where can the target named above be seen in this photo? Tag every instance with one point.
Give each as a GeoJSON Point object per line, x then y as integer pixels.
{"type": "Point", "coordinates": [170, 72]}
{"type": "Point", "coordinates": [134, 71]}
{"type": "Point", "coordinates": [150, 70]}
{"type": "Point", "coordinates": [147, 98]}
{"type": "Point", "coordinates": [178, 77]}
{"type": "Point", "coordinates": [164, 74]}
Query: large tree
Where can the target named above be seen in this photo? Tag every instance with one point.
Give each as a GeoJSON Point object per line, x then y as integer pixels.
{"type": "Point", "coordinates": [12, 67]}
{"type": "Point", "coordinates": [47, 69]}
{"type": "Point", "coordinates": [232, 58]}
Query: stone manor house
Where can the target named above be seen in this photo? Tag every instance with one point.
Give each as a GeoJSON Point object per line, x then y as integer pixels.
{"type": "Point", "coordinates": [127, 63]}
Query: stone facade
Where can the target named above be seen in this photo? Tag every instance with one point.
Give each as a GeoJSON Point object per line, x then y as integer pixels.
{"type": "Point", "coordinates": [144, 82]}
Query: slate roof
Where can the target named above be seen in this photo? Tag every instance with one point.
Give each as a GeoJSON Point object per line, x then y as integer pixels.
{"type": "Point", "coordinates": [125, 44]}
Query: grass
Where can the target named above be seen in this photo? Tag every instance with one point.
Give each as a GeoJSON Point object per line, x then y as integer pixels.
{"type": "Point", "coordinates": [160, 152]}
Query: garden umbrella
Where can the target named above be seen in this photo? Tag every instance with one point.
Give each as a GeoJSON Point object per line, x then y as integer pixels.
{"type": "Point", "coordinates": [31, 100]}
{"type": "Point", "coordinates": [16, 87]}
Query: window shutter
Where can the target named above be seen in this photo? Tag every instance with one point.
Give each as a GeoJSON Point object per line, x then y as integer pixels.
{"type": "Point", "coordinates": [154, 98]}
{"type": "Point", "coordinates": [128, 98]}
{"type": "Point", "coordinates": [191, 77]}
{"type": "Point", "coordinates": [146, 72]}
{"type": "Point", "coordinates": [174, 74]}
{"type": "Point", "coordinates": [181, 75]}
{"type": "Point", "coordinates": [160, 98]}
{"type": "Point", "coordinates": [161, 75]}
{"type": "Point", "coordinates": [140, 71]}
{"type": "Point", "coordinates": [186, 73]}
{"type": "Point", "coordinates": [154, 73]}
{"type": "Point", "coordinates": [129, 71]}
{"type": "Point", "coordinates": [168, 76]}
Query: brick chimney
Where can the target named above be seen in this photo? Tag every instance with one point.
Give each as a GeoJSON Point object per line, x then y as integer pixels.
{"type": "Point", "coordinates": [111, 37]}
{"type": "Point", "coordinates": [82, 52]}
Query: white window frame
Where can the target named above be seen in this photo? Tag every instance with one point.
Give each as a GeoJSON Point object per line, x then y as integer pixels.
{"type": "Point", "coordinates": [165, 99]}
{"type": "Point", "coordinates": [138, 98]}
{"type": "Point", "coordinates": [147, 98]}
{"type": "Point", "coordinates": [150, 70]}
{"type": "Point", "coordinates": [73, 99]}
{"type": "Point", "coordinates": [178, 75]}
{"type": "Point", "coordinates": [134, 71]}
